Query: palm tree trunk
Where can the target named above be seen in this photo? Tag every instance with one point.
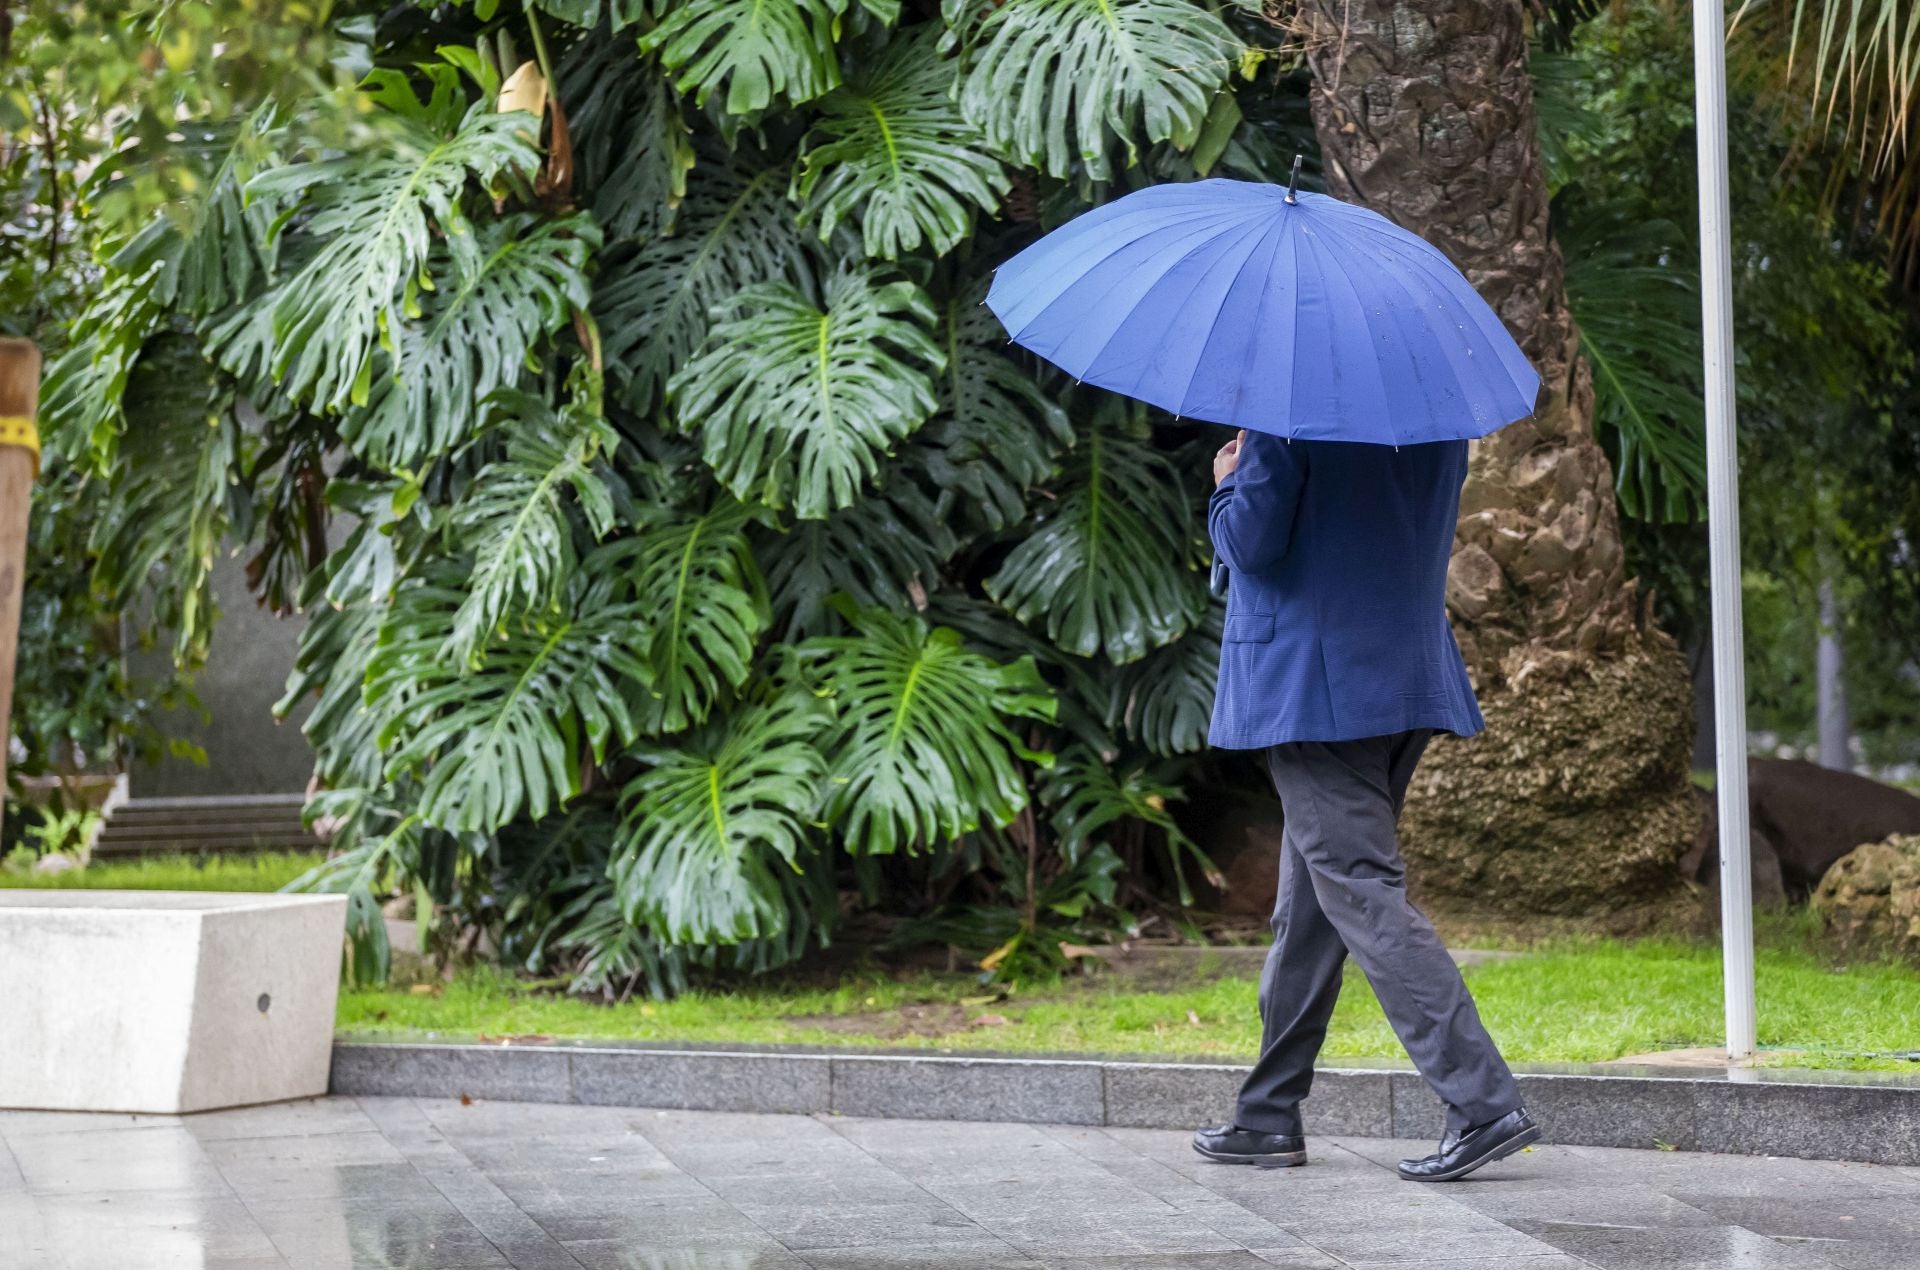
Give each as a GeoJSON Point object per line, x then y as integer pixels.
{"type": "Point", "coordinates": [1577, 796]}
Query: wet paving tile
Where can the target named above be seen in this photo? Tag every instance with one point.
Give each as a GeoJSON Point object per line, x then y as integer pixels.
{"type": "Point", "coordinates": [434, 1184]}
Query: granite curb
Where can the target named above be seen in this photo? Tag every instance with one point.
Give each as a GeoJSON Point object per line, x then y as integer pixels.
{"type": "Point", "coordinates": [1825, 1116]}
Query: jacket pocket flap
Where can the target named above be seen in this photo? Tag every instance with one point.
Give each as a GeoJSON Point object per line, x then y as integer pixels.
{"type": "Point", "coordinates": [1248, 628]}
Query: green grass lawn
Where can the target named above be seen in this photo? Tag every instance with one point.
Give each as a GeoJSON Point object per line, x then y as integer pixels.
{"type": "Point", "coordinates": [267, 871]}
{"type": "Point", "coordinates": [1584, 1002]}
{"type": "Point", "coordinates": [1575, 1000]}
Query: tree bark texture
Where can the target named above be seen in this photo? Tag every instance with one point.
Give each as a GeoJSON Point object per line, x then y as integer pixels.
{"type": "Point", "coordinates": [1577, 797]}
{"type": "Point", "coordinates": [19, 399]}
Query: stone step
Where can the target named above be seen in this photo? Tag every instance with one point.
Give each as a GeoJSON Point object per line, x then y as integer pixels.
{"type": "Point", "coordinates": [274, 806]}
{"type": "Point", "coordinates": [182, 828]}
{"type": "Point", "coordinates": [255, 822]}
{"type": "Point", "coordinates": [189, 845]}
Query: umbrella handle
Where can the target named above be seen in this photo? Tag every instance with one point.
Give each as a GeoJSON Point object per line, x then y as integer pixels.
{"type": "Point", "coordinates": [1293, 181]}
{"type": "Point", "coordinates": [1217, 582]}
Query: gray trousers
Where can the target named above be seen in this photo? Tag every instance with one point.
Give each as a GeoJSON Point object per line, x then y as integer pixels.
{"type": "Point", "coordinates": [1343, 890]}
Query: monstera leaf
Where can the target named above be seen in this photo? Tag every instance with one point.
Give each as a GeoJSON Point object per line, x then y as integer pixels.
{"type": "Point", "coordinates": [796, 403]}
{"type": "Point", "coordinates": [878, 551]}
{"type": "Point", "coordinates": [923, 748]}
{"type": "Point", "coordinates": [694, 575]}
{"type": "Point", "coordinates": [898, 157]}
{"type": "Point", "coordinates": [1091, 799]}
{"type": "Point", "coordinates": [376, 214]}
{"type": "Point", "coordinates": [335, 646]}
{"type": "Point", "coordinates": [734, 229]}
{"type": "Point", "coordinates": [211, 253]}
{"type": "Point", "coordinates": [515, 517]}
{"type": "Point", "coordinates": [505, 738]}
{"type": "Point", "coordinates": [1055, 82]}
{"type": "Point", "coordinates": [996, 433]}
{"type": "Point", "coordinates": [1107, 566]}
{"type": "Point", "coordinates": [173, 492]}
{"type": "Point", "coordinates": [1165, 700]}
{"type": "Point", "coordinates": [475, 334]}
{"type": "Point", "coordinates": [631, 148]}
{"type": "Point", "coordinates": [756, 51]}
{"type": "Point", "coordinates": [588, 13]}
{"type": "Point", "coordinates": [714, 818]}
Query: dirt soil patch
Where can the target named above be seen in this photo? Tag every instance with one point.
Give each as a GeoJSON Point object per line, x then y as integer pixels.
{"type": "Point", "coordinates": [942, 1018]}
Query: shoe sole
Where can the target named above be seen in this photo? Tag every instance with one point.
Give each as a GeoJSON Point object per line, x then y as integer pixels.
{"type": "Point", "coordinates": [1272, 1160]}
{"type": "Point", "coordinates": [1525, 1138]}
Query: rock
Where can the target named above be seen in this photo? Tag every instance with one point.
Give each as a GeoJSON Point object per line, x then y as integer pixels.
{"type": "Point", "coordinates": [1814, 815]}
{"type": "Point", "coordinates": [1701, 863]}
{"type": "Point", "coordinates": [1870, 898]}
{"type": "Point", "coordinates": [1807, 817]}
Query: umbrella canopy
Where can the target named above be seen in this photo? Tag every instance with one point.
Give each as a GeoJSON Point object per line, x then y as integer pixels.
{"type": "Point", "coordinates": [1246, 304]}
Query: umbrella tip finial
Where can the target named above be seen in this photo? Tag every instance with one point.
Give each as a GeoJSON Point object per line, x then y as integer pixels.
{"type": "Point", "coordinates": [1293, 181]}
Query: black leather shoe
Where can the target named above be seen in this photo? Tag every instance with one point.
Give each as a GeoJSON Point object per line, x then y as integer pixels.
{"type": "Point", "coordinates": [1462, 1153]}
{"type": "Point", "coordinates": [1230, 1144]}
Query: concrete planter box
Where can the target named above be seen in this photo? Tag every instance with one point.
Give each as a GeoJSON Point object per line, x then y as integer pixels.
{"type": "Point", "coordinates": [165, 1001]}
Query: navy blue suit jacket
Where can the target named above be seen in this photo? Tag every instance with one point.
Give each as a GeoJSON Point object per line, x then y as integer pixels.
{"type": "Point", "coordinates": [1336, 601]}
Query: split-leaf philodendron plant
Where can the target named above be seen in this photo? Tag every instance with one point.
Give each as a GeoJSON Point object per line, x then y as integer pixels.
{"type": "Point", "coordinates": [686, 559]}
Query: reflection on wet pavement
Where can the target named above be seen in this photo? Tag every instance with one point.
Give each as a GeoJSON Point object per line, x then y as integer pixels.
{"type": "Point", "coordinates": [435, 1185]}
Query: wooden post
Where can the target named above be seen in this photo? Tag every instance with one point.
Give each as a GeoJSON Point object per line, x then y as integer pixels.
{"type": "Point", "coordinates": [19, 464]}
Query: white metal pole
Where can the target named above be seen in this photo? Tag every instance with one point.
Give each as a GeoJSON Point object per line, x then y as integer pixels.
{"type": "Point", "coordinates": [1723, 523]}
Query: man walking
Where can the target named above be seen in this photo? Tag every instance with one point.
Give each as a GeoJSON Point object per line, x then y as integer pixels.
{"type": "Point", "coordinates": [1337, 663]}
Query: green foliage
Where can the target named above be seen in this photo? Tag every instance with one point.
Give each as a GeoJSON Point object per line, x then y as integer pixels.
{"type": "Point", "coordinates": [923, 745]}
{"type": "Point", "coordinates": [516, 515]}
{"type": "Point", "coordinates": [733, 229]}
{"type": "Point", "coordinates": [709, 607]}
{"type": "Point", "coordinates": [375, 218]}
{"type": "Point", "coordinates": [898, 157]}
{"type": "Point", "coordinates": [711, 821]}
{"type": "Point", "coordinates": [473, 336]}
{"type": "Point", "coordinates": [1109, 565]}
{"type": "Point", "coordinates": [506, 737]}
{"type": "Point", "coordinates": [795, 401]}
{"type": "Point", "coordinates": [1828, 483]}
{"type": "Point", "coordinates": [1055, 83]}
{"type": "Point", "coordinates": [759, 51]}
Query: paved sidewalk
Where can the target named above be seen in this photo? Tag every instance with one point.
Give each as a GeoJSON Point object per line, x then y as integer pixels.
{"type": "Point", "coordinates": [429, 1185]}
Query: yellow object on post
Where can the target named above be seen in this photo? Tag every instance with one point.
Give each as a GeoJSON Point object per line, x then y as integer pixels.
{"type": "Point", "coordinates": [20, 430]}
{"type": "Point", "coordinates": [19, 464]}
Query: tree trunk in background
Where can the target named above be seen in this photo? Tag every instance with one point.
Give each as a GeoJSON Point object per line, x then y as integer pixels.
{"type": "Point", "coordinates": [1577, 797]}
{"type": "Point", "coordinates": [19, 402]}
{"type": "Point", "coordinates": [1835, 721]}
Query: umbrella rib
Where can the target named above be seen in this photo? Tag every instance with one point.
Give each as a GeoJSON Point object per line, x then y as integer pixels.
{"type": "Point", "coordinates": [1434, 263]}
{"type": "Point", "coordinates": [1400, 278]}
{"type": "Point", "coordinates": [1214, 325]}
{"type": "Point", "coordinates": [1385, 397]}
{"type": "Point", "coordinates": [1041, 312]}
{"type": "Point", "coordinates": [1185, 256]}
{"type": "Point", "coordinates": [1274, 232]}
{"type": "Point", "coordinates": [1429, 269]}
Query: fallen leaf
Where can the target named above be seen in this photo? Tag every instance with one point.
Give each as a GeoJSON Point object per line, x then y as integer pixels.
{"type": "Point", "coordinates": [1070, 951]}
{"type": "Point", "coordinates": [1193, 1018]}
{"type": "Point", "coordinates": [999, 954]}
{"type": "Point", "coordinates": [988, 999]}
{"type": "Point", "coordinates": [989, 1020]}
{"type": "Point", "coordinates": [465, 1101]}
{"type": "Point", "coordinates": [425, 990]}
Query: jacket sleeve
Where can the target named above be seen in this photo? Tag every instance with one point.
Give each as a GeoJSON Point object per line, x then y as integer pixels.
{"type": "Point", "coordinates": [1250, 514]}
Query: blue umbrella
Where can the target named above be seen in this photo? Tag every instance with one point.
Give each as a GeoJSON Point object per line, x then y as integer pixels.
{"type": "Point", "coordinates": [1252, 305]}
